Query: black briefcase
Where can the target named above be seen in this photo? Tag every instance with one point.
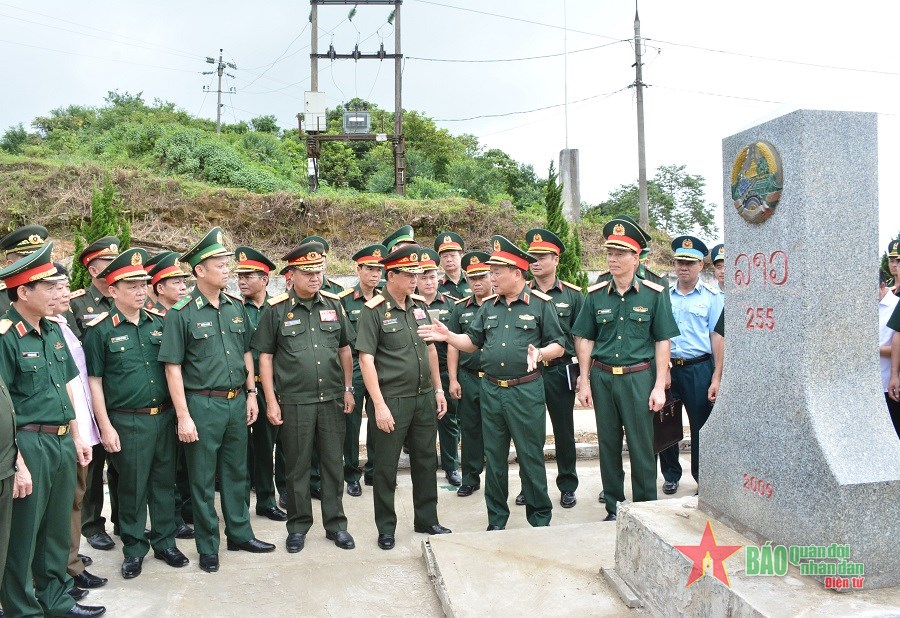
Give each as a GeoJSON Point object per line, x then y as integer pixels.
{"type": "Point", "coordinates": [667, 426]}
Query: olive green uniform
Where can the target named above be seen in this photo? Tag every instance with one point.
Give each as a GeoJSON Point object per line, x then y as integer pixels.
{"type": "Point", "coordinates": [305, 337]}
{"type": "Point", "coordinates": [332, 287]}
{"type": "Point", "coordinates": [504, 330]}
{"type": "Point", "coordinates": [448, 426]}
{"type": "Point", "coordinates": [36, 366]}
{"type": "Point", "coordinates": [468, 374]}
{"type": "Point", "coordinates": [388, 333]}
{"type": "Point", "coordinates": [455, 291]}
{"type": "Point", "coordinates": [560, 396]}
{"type": "Point", "coordinates": [8, 453]}
{"type": "Point", "coordinates": [125, 355]}
{"type": "Point", "coordinates": [625, 329]}
{"type": "Point", "coordinates": [209, 344]}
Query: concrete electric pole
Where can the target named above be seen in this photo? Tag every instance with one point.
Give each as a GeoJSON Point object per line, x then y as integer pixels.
{"type": "Point", "coordinates": [220, 69]}
{"type": "Point", "coordinates": [639, 87]}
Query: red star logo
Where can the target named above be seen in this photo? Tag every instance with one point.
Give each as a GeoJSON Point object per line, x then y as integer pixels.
{"type": "Point", "coordinates": [708, 554]}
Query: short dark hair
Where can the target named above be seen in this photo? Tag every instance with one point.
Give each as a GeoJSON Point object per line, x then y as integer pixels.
{"type": "Point", "coordinates": [13, 293]}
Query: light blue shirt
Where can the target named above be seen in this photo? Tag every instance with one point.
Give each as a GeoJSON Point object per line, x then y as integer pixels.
{"type": "Point", "coordinates": [696, 314]}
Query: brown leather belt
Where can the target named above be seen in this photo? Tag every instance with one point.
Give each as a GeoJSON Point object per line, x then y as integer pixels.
{"type": "Point", "coordinates": [151, 411]}
{"type": "Point", "coordinates": [562, 360]}
{"type": "Point", "coordinates": [477, 374]}
{"type": "Point", "coordinates": [620, 371]}
{"type": "Point", "coordinates": [528, 377]}
{"type": "Point", "coordinates": [684, 362]}
{"type": "Point", "coordinates": [56, 430]}
{"type": "Point", "coordinates": [222, 394]}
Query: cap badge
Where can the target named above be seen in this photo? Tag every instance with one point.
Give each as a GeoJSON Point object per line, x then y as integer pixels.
{"type": "Point", "coordinates": [496, 245]}
{"type": "Point", "coordinates": [619, 230]}
{"type": "Point", "coordinates": [376, 253]}
{"type": "Point", "coordinates": [136, 259]}
{"type": "Point", "coordinates": [113, 247]}
{"type": "Point", "coordinates": [448, 239]}
{"type": "Point", "coordinates": [312, 255]}
{"type": "Point", "coordinates": [219, 237]}
{"type": "Point", "coordinates": [34, 239]}
{"type": "Point", "coordinates": [474, 260]}
{"type": "Point", "coordinates": [177, 264]}
{"type": "Point", "coordinates": [413, 257]}
{"type": "Point", "coordinates": [537, 238]}
{"type": "Point", "coordinates": [242, 257]}
{"type": "Point", "coordinates": [687, 243]}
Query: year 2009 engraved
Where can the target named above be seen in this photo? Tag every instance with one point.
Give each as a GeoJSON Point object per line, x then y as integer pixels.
{"type": "Point", "coordinates": [760, 318]}
{"type": "Point", "coordinates": [758, 486]}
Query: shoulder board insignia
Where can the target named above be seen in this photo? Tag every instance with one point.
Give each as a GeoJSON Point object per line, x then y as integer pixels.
{"type": "Point", "coordinates": [571, 286]}
{"type": "Point", "coordinates": [329, 295]}
{"type": "Point", "coordinates": [345, 292]}
{"type": "Point", "coordinates": [417, 297]}
{"type": "Point", "coordinates": [652, 272]}
{"type": "Point", "coordinates": [463, 299]}
{"type": "Point", "coordinates": [279, 299]}
{"type": "Point", "coordinates": [712, 288]}
{"type": "Point", "coordinates": [491, 297]}
{"type": "Point", "coordinates": [654, 286]}
{"type": "Point", "coordinates": [4, 325]}
{"type": "Point", "coordinates": [450, 296]}
{"type": "Point", "coordinates": [375, 301]}
{"type": "Point", "coordinates": [98, 319]}
{"type": "Point", "coordinates": [181, 304]}
{"type": "Point", "coordinates": [541, 295]}
{"type": "Point", "coordinates": [155, 311]}
{"type": "Point", "coordinates": [240, 299]}
{"type": "Point", "coordinates": [598, 286]}
{"type": "Point", "coordinates": [77, 293]}
{"type": "Point", "coordinates": [3, 286]}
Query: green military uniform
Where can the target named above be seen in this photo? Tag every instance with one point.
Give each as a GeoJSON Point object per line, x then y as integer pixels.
{"type": "Point", "coordinates": [332, 287]}
{"type": "Point", "coordinates": [36, 365]}
{"type": "Point", "coordinates": [17, 244]}
{"type": "Point", "coordinates": [304, 336]}
{"type": "Point", "coordinates": [468, 375]}
{"type": "Point", "coordinates": [625, 329]}
{"type": "Point", "coordinates": [388, 333]}
{"type": "Point", "coordinates": [8, 452]}
{"type": "Point", "coordinates": [209, 344]}
{"type": "Point", "coordinates": [451, 241]}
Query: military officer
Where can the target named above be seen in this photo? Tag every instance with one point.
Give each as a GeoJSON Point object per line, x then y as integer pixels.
{"type": "Point", "coordinates": [450, 247]}
{"type": "Point", "coordinates": [304, 344]}
{"type": "Point", "coordinates": [369, 270]}
{"type": "Point", "coordinates": [332, 287]}
{"type": "Point", "coordinates": [253, 269]}
{"type": "Point", "coordinates": [696, 307]}
{"type": "Point", "coordinates": [134, 412]}
{"type": "Point", "coordinates": [400, 371]}
{"type": "Point", "coordinates": [464, 372]}
{"type": "Point", "coordinates": [717, 257]}
{"type": "Point", "coordinates": [85, 305]}
{"type": "Point", "coordinates": [516, 330]}
{"type": "Point", "coordinates": [622, 340]}
{"type": "Point", "coordinates": [559, 379]}
{"type": "Point", "coordinates": [148, 266]}
{"type": "Point", "coordinates": [16, 245]}
{"type": "Point", "coordinates": [36, 366]}
{"type": "Point", "coordinates": [894, 264]}
{"type": "Point", "coordinates": [718, 346]}
{"type": "Point", "coordinates": [441, 305]}
{"type": "Point", "coordinates": [209, 371]}
{"type": "Point", "coordinates": [399, 238]}
{"type": "Point", "coordinates": [8, 481]}
{"type": "Point", "coordinates": [168, 282]}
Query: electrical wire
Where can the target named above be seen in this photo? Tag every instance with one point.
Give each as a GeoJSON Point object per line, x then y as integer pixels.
{"type": "Point", "coordinates": [268, 68]}
{"type": "Point", "coordinates": [71, 53]}
{"type": "Point", "coordinates": [488, 60]}
{"type": "Point", "coordinates": [530, 111]}
{"type": "Point", "coordinates": [716, 94]}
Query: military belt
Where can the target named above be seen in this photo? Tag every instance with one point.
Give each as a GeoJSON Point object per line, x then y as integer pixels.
{"type": "Point", "coordinates": [477, 374]}
{"type": "Point", "coordinates": [150, 411]}
{"type": "Point", "coordinates": [619, 371]}
{"type": "Point", "coordinates": [528, 377]}
{"type": "Point", "coordinates": [562, 360]}
{"type": "Point", "coordinates": [684, 362]}
{"type": "Point", "coordinates": [229, 394]}
{"type": "Point", "coordinates": [258, 379]}
{"type": "Point", "coordinates": [57, 430]}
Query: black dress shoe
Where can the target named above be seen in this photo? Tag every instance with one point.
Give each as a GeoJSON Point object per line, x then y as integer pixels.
{"type": "Point", "coordinates": [354, 489]}
{"type": "Point", "coordinates": [184, 531]}
{"type": "Point", "coordinates": [454, 477]}
{"type": "Point", "coordinates": [341, 538]}
{"type": "Point", "coordinates": [85, 560]}
{"type": "Point", "coordinates": [209, 562]}
{"type": "Point", "coordinates": [295, 542]}
{"type": "Point", "coordinates": [78, 593]}
{"type": "Point", "coordinates": [132, 566]}
{"type": "Point", "coordinates": [86, 611]}
{"type": "Point", "coordinates": [282, 501]}
{"type": "Point", "coordinates": [274, 513]}
{"type": "Point", "coordinates": [670, 487]}
{"type": "Point", "coordinates": [492, 528]}
{"type": "Point", "coordinates": [520, 499]}
{"type": "Point", "coordinates": [89, 580]}
{"type": "Point", "coordinates": [435, 529]}
{"type": "Point", "coordinates": [254, 546]}
{"type": "Point", "coordinates": [467, 490]}
{"type": "Point", "coordinates": [315, 492]}
{"type": "Point", "coordinates": [172, 556]}
{"type": "Point", "coordinates": [610, 517]}
{"type": "Point", "coordinates": [386, 541]}
{"type": "Point", "coordinates": [602, 496]}
{"type": "Point", "coordinates": [101, 541]}
{"type": "Point", "coordinates": [567, 499]}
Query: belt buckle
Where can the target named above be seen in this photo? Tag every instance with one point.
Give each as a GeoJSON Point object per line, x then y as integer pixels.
{"type": "Point", "coordinates": [678, 362]}
{"type": "Point", "coordinates": [232, 394]}
{"type": "Point", "coordinates": [503, 383]}
{"type": "Point", "coordinates": [480, 374]}
{"type": "Point", "coordinates": [154, 411]}
{"type": "Point", "coordinates": [62, 430]}
{"type": "Point", "coordinates": [546, 363]}
{"type": "Point", "coordinates": [618, 371]}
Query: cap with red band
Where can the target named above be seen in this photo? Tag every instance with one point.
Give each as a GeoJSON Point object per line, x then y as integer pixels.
{"type": "Point", "coordinates": [428, 259]}
{"type": "Point", "coordinates": [474, 263]}
{"type": "Point", "coordinates": [308, 257]}
{"type": "Point", "coordinates": [505, 252]}
{"type": "Point", "coordinates": [37, 266]}
{"type": "Point", "coordinates": [370, 256]}
{"type": "Point", "coordinates": [449, 241]}
{"type": "Point", "coordinates": [167, 266]}
{"type": "Point", "coordinates": [106, 247]}
{"type": "Point", "coordinates": [543, 241]}
{"type": "Point", "coordinates": [405, 259]}
{"type": "Point", "coordinates": [624, 234]}
{"type": "Point", "coordinates": [249, 260]}
{"type": "Point", "coordinates": [128, 265]}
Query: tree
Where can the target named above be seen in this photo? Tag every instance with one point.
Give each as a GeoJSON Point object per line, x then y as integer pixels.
{"type": "Point", "coordinates": [13, 139]}
{"type": "Point", "coordinates": [569, 268]}
{"type": "Point", "coordinates": [266, 124]}
{"type": "Point", "coordinates": [107, 219]}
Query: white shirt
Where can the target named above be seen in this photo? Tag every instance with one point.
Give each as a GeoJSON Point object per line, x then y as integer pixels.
{"type": "Point", "coordinates": [885, 309]}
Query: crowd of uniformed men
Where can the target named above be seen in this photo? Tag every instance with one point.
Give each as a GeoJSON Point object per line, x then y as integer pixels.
{"type": "Point", "coordinates": [178, 393]}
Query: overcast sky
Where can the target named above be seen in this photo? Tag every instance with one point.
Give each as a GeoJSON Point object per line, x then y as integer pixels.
{"type": "Point", "coordinates": [715, 68]}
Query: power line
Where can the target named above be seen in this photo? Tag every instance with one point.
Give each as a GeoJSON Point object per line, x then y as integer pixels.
{"type": "Point", "coordinates": [530, 111]}
{"type": "Point", "coordinates": [279, 57]}
{"type": "Point", "coordinates": [71, 53]}
{"type": "Point", "coordinates": [557, 55]}
{"type": "Point", "coordinates": [716, 94]}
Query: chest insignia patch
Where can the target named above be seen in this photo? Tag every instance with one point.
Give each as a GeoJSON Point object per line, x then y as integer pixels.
{"type": "Point", "coordinates": [119, 339]}
{"type": "Point", "coordinates": [562, 305]}
{"type": "Point", "coordinates": [640, 309]}
{"type": "Point", "coordinates": [59, 345]}
{"type": "Point", "coordinates": [418, 314]}
{"type": "Point", "coordinates": [237, 320]}
{"type": "Point", "coordinates": [156, 333]}
{"type": "Point", "coordinates": [292, 322]}
{"type": "Point", "coordinates": [328, 315]}
{"type": "Point", "coordinates": [604, 311]}
{"type": "Point", "coordinates": [204, 324]}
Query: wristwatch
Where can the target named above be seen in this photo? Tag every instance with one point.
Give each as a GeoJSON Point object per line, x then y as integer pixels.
{"type": "Point", "coordinates": [250, 390]}
{"type": "Point", "coordinates": [438, 391]}
{"type": "Point", "coordinates": [350, 389]}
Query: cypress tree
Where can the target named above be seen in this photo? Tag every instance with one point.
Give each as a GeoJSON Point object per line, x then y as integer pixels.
{"type": "Point", "coordinates": [107, 219]}
{"type": "Point", "coordinates": [570, 268]}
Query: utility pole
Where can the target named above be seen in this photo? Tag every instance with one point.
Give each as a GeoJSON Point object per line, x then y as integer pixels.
{"type": "Point", "coordinates": [400, 143]}
{"type": "Point", "coordinates": [220, 69]}
{"type": "Point", "coordinates": [639, 86]}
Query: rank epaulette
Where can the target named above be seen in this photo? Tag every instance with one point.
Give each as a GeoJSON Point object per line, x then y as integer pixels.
{"type": "Point", "coordinates": [462, 300]}
{"type": "Point", "coordinates": [417, 297]}
{"type": "Point", "coordinates": [2, 286]}
{"type": "Point", "coordinates": [491, 297]}
{"type": "Point", "coordinates": [712, 288]}
{"type": "Point", "coordinates": [181, 304]}
{"type": "Point", "coordinates": [345, 292]}
{"type": "Point", "coordinates": [571, 286]}
{"type": "Point", "coordinates": [98, 319]}
{"type": "Point", "coordinates": [329, 295]}
{"type": "Point", "coordinates": [77, 293]}
{"type": "Point", "coordinates": [374, 301]}
{"type": "Point", "coordinates": [541, 295]}
{"type": "Point", "coordinates": [598, 286]}
{"type": "Point", "coordinates": [155, 311]}
{"type": "Point", "coordinates": [654, 286]}
{"type": "Point", "coordinates": [451, 297]}
{"type": "Point", "coordinates": [279, 299]}
{"type": "Point", "coordinates": [240, 299]}
{"type": "Point", "coordinates": [4, 325]}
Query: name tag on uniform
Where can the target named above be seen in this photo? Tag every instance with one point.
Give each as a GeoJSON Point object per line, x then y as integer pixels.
{"type": "Point", "coordinates": [468, 314]}
{"type": "Point", "coordinates": [354, 311]}
{"type": "Point", "coordinates": [328, 315]}
{"type": "Point", "coordinates": [389, 321]}
{"type": "Point", "coordinates": [89, 316]}
{"type": "Point", "coordinates": [492, 317]}
{"type": "Point", "coordinates": [526, 317]}
{"type": "Point", "coordinates": [562, 305]}
{"type": "Point", "coordinates": [31, 354]}
{"type": "Point", "coordinates": [418, 313]}
{"type": "Point", "coordinates": [604, 311]}
{"type": "Point", "coordinates": [203, 324]}
{"type": "Point", "coordinates": [119, 338]}
{"type": "Point", "coordinates": [292, 322]}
